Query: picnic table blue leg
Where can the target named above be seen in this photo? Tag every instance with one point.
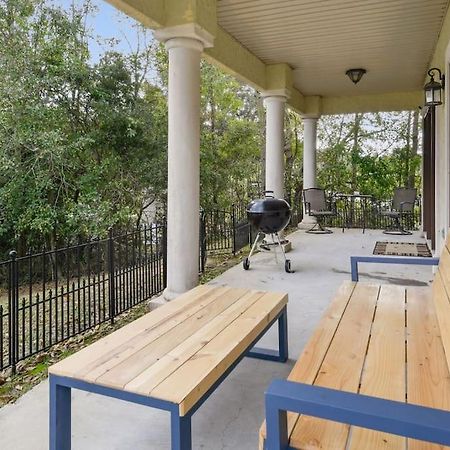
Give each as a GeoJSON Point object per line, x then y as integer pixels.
{"type": "Point", "coordinates": [283, 336]}
{"type": "Point", "coordinates": [280, 355]}
{"type": "Point", "coordinates": [181, 431]}
{"type": "Point", "coordinates": [354, 265]}
{"type": "Point", "coordinates": [60, 416]}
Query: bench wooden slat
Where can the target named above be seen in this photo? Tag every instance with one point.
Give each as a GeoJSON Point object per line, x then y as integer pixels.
{"type": "Point", "coordinates": [308, 365]}
{"type": "Point", "coordinates": [341, 369]}
{"type": "Point", "coordinates": [441, 294]}
{"type": "Point", "coordinates": [428, 374]}
{"type": "Point", "coordinates": [96, 351]}
{"type": "Point", "coordinates": [92, 372]}
{"type": "Point", "coordinates": [165, 366]}
{"type": "Point", "coordinates": [177, 352]}
{"type": "Point", "coordinates": [384, 373]}
{"type": "Point", "coordinates": [193, 379]}
{"type": "Point", "coordinates": [128, 366]}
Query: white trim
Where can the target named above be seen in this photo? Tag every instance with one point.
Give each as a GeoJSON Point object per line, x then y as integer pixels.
{"type": "Point", "coordinates": [284, 92]}
{"type": "Point", "coordinates": [184, 42]}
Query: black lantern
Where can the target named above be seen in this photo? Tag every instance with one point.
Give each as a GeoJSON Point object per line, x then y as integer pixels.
{"type": "Point", "coordinates": [433, 89]}
{"type": "Point", "coordinates": [355, 74]}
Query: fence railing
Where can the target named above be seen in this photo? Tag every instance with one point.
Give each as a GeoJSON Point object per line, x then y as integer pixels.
{"type": "Point", "coordinates": [48, 297]}
{"type": "Point", "coordinates": [52, 296]}
{"type": "Point", "coordinates": [355, 211]}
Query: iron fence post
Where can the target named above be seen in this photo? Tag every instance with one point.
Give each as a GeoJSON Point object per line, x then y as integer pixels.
{"type": "Point", "coordinates": [203, 248]}
{"type": "Point", "coordinates": [233, 219]}
{"type": "Point", "coordinates": [164, 252]}
{"type": "Point", "coordinates": [111, 277]}
{"type": "Point", "coordinates": [13, 291]}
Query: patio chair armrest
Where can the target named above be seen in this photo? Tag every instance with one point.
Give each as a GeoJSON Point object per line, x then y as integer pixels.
{"type": "Point", "coordinates": [355, 260]}
{"type": "Point", "coordinates": [413, 421]}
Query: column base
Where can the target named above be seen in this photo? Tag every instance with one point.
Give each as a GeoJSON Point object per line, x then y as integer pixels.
{"type": "Point", "coordinates": [169, 295]}
{"type": "Point", "coordinates": [307, 223]}
{"type": "Point", "coordinates": [287, 246]}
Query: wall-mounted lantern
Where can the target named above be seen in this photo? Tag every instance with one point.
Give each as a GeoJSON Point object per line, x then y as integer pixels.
{"type": "Point", "coordinates": [433, 89]}
{"type": "Point", "coordinates": [355, 74]}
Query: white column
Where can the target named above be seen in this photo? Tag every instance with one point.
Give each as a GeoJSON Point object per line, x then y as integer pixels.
{"type": "Point", "coordinates": [183, 203]}
{"type": "Point", "coordinates": [275, 108]}
{"type": "Point", "coordinates": [309, 153]}
{"type": "Point", "coordinates": [309, 163]}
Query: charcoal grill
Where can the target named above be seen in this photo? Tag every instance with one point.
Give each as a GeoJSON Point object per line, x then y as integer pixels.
{"type": "Point", "coordinates": [269, 216]}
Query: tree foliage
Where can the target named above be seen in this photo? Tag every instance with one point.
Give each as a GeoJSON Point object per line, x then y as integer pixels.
{"type": "Point", "coordinates": [83, 144]}
{"type": "Point", "coordinates": [369, 153]}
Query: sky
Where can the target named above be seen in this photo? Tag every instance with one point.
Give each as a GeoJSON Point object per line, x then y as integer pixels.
{"type": "Point", "coordinates": [107, 23]}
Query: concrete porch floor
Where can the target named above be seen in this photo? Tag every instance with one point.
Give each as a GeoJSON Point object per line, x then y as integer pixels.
{"type": "Point", "coordinates": [231, 417]}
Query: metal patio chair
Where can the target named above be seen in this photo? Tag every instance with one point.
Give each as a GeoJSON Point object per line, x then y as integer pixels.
{"type": "Point", "coordinates": [402, 208]}
{"type": "Point", "coordinates": [317, 206]}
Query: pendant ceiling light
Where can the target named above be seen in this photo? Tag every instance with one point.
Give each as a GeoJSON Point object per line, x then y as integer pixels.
{"type": "Point", "coordinates": [355, 74]}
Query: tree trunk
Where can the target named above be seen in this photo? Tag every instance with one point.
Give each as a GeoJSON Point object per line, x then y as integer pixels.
{"type": "Point", "coordinates": [355, 151]}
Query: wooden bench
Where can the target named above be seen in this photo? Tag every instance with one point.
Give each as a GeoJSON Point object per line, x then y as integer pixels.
{"type": "Point", "coordinates": [172, 358]}
{"type": "Point", "coordinates": [377, 363]}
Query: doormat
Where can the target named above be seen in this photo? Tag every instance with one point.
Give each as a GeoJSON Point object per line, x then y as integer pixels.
{"type": "Point", "coordinates": [402, 249]}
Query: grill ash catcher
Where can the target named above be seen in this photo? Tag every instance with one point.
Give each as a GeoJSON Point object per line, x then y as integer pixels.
{"type": "Point", "coordinates": [269, 216]}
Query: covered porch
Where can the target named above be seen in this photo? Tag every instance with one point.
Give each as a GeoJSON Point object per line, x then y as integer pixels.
{"type": "Point", "coordinates": [231, 418]}
{"type": "Point", "coordinates": [296, 54]}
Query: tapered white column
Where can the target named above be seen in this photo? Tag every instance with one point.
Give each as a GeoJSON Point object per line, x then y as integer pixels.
{"type": "Point", "coordinates": [309, 163]}
{"type": "Point", "coordinates": [275, 109]}
{"type": "Point", "coordinates": [309, 153]}
{"type": "Point", "coordinates": [183, 187]}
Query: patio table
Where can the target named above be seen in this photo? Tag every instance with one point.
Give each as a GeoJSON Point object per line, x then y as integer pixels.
{"type": "Point", "coordinates": [172, 358]}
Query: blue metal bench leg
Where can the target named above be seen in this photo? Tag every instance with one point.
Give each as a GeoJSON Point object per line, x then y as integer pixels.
{"type": "Point", "coordinates": [280, 355]}
{"type": "Point", "coordinates": [60, 416]}
{"type": "Point", "coordinates": [181, 432]}
{"type": "Point", "coordinates": [354, 268]}
{"type": "Point", "coordinates": [276, 423]}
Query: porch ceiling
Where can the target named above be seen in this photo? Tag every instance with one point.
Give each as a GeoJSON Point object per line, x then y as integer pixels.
{"type": "Point", "coordinates": [393, 40]}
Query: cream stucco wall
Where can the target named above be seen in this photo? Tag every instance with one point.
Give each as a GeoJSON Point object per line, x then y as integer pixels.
{"type": "Point", "coordinates": [441, 59]}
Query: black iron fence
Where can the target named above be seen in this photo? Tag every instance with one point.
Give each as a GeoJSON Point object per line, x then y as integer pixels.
{"type": "Point", "coordinates": [364, 211]}
{"type": "Point", "coordinates": [48, 297]}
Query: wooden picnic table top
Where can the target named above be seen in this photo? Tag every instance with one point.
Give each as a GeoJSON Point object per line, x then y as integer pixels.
{"type": "Point", "coordinates": [378, 340]}
{"type": "Point", "coordinates": [178, 351]}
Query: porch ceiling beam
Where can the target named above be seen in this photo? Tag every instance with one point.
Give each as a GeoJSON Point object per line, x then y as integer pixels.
{"type": "Point", "coordinates": [394, 101]}
{"type": "Point", "coordinates": [149, 13]}
{"type": "Point", "coordinates": [227, 52]}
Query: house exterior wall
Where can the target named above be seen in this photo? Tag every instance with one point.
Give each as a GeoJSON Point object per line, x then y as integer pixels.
{"type": "Point", "coordinates": [441, 60]}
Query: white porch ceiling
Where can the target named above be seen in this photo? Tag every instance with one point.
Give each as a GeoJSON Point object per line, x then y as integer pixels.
{"type": "Point", "coordinates": [393, 40]}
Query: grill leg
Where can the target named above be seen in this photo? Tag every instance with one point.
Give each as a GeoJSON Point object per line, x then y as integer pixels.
{"type": "Point", "coordinates": [287, 262]}
{"type": "Point", "coordinates": [254, 245]}
{"type": "Point", "coordinates": [280, 245]}
{"type": "Point", "coordinates": [275, 253]}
